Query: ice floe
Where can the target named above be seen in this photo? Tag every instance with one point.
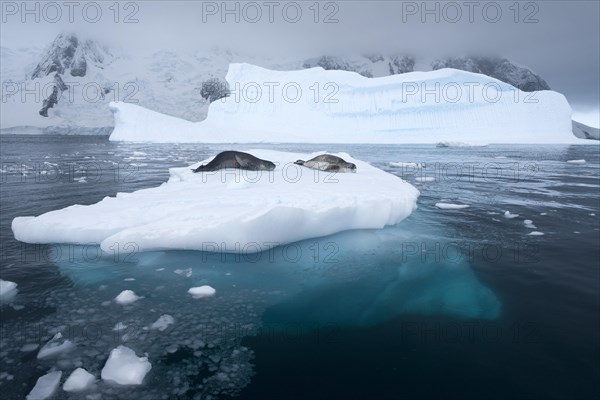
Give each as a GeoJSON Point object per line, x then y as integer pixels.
{"type": "Point", "coordinates": [231, 210]}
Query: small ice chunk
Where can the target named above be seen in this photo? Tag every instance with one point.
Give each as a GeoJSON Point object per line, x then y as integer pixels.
{"type": "Point", "coordinates": [55, 346]}
{"type": "Point", "coordinates": [184, 272]}
{"type": "Point", "coordinates": [405, 165]}
{"type": "Point", "coordinates": [509, 215]}
{"type": "Point", "coordinates": [119, 327]}
{"type": "Point", "coordinates": [26, 348]}
{"type": "Point", "coordinates": [536, 233]}
{"type": "Point", "coordinates": [449, 206]}
{"type": "Point", "coordinates": [124, 367]}
{"type": "Point", "coordinates": [45, 386]}
{"type": "Point", "coordinates": [529, 224]}
{"type": "Point", "coordinates": [129, 279]}
{"type": "Point", "coordinates": [543, 213]}
{"type": "Point", "coordinates": [163, 322]}
{"type": "Point", "coordinates": [8, 291]}
{"type": "Point", "coordinates": [202, 291]}
{"type": "Point", "coordinates": [79, 380]}
{"type": "Point", "coordinates": [576, 161]}
{"type": "Point", "coordinates": [425, 179]}
{"type": "Point", "coordinates": [127, 297]}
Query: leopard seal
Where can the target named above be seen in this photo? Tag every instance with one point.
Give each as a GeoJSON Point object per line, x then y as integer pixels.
{"type": "Point", "coordinates": [328, 162]}
{"type": "Point", "coordinates": [238, 160]}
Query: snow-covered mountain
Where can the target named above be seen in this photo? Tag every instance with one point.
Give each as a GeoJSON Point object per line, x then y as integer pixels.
{"type": "Point", "coordinates": [66, 87]}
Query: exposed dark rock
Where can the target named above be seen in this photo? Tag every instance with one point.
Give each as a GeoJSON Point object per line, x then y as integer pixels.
{"type": "Point", "coordinates": [214, 89]}
{"type": "Point", "coordinates": [499, 68]}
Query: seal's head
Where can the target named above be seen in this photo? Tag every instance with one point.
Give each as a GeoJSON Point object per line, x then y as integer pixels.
{"type": "Point", "coordinates": [266, 166]}
{"type": "Point", "coordinates": [299, 162]}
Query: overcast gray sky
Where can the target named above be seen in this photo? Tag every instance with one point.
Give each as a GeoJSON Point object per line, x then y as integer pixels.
{"type": "Point", "coordinates": [560, 40]}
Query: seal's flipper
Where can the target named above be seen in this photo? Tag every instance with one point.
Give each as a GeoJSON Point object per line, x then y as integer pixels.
{"type": "Point", "coordinates": [244, 164]}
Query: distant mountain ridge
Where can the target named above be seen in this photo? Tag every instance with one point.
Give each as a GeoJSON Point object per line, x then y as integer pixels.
{"type": "Point", "coordinates": [178, 84]}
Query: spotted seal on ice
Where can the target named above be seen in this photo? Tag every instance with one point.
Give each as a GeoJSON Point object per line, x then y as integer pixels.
{"type": "Point", "coordinates": [236, 159]}
{"type": "Point", "coordinates": [328, 162]}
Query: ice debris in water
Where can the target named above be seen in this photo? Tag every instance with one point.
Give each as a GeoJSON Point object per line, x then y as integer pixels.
{"type": "Point", "coordinates": [449, 206]}
{"type": "Point", "coordinates": [202, 291]}
{"type": "Point", "coordinates": [124, 367]}
{"type": "Point", "coordinates": [79, 380]}
{"type": "Point", "coordinates": [55, 346]}
{"type": "Point", "coordinates": [536, 233]}
{"type": "Point", "coordinates": [163, 322]}
{"type": "Point", "coordinates": [509, 215]}
{"type": "Point", "coordinates": [45, 386]}
{"type": "Point", "coordinates": [529, 224]}
{"type": "Point", "coordinates": [127, 297]}
{"type": "Point", "coordinates": [576, 161]}
{"type": "Point", "coordinates": [8, 291]}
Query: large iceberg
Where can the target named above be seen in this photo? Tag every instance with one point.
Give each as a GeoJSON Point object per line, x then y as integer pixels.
{"type": "Point", "coordinates": [230, 210]}
{"type": "Point", "coordinates": [319, 106]}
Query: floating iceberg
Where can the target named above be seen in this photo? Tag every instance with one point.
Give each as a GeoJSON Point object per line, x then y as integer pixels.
{"type": "Point", "coordinates": [319, 106]}
{"type": "Point", "coordinates": [231, 211]}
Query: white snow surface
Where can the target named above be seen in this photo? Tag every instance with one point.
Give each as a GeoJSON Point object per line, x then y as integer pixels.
{"type": "Point", "coordinates": [331, 106]}
{"type": "Point", "coordinates": [232, 210]}
{"type": "Point", "coordinates": [124, 367]}
{"type": "Point", "coordinates": [79, 380]}
{"type": "Point", "coordinates": [45, 386]}
{"type": "Point", "coordinates": [202, 291]}
{"type": "Point", "coordinates": [8, 291]}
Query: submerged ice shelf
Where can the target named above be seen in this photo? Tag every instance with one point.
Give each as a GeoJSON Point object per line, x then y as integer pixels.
{"type": "Point", "coordinates": [330, 106]}
{"type": "Point", "coordinates": [231, 210]}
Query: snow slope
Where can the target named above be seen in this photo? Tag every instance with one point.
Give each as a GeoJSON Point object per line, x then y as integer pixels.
{"type": "Point", "coordinates": [232, 210]}
{"type": "Point", "coordinates": [316, 105]}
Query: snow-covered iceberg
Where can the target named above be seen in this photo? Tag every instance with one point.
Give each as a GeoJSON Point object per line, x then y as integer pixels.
{"type": "Point", "coordinates": [315, 105]}
{"type": "Point", "coordinates": [232, 211]}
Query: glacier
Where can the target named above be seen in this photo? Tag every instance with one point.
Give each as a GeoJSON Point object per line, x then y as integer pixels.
{"type": "Point", "coordinates": [231, 211]}
{"type": "Point", "coordinates": [331, 106]}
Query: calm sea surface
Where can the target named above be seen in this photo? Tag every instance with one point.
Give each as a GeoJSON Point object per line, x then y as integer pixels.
{"type": "Point", "coordinates": [448, 304]}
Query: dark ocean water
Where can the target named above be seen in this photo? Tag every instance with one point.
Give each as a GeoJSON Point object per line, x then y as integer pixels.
{"type": "Point", "coordinates": [447, 304]}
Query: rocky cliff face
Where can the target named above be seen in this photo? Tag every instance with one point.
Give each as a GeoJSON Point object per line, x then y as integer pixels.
{"type": "Point", "coordinates": [381, 65]}
{"type": "Point", "coordinates": [496, 67]}
{"type": "Point", "coordinates": [68, 55]}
